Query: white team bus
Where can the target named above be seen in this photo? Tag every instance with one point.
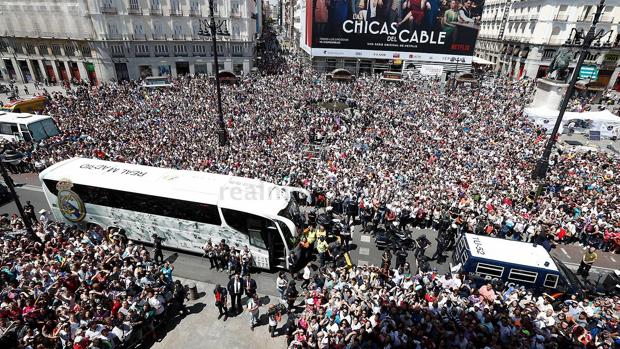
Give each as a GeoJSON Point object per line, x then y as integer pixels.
{"type": "Point", "coordinates": [185, 208]}
{"type": "Point", "coordinates": [26, 127]}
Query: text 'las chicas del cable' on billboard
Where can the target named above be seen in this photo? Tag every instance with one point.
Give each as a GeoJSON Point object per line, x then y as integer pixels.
{"type": "Point", "coordinates": [435, 30]}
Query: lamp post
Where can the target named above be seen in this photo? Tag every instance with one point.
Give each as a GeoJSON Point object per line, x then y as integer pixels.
{"type": "Point", "coordinates": [209, 28]}
{"type": "Point", "coordinates": [457, 60]}
{"type": "Point", "coordinates": [585, 43]}
{"type": "Point", "coordinates": [9, 183]}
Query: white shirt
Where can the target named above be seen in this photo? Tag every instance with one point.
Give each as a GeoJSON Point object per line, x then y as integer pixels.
{"type": "Point", "coordinates": [156, 304]}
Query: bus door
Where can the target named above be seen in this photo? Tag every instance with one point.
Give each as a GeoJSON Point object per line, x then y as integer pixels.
{"type": "Point", "coordinates": [265, 234]}
{"type": "Point", "coordinates": [278, 251]}
{"type": "Point", "coordinates": [25, 133]}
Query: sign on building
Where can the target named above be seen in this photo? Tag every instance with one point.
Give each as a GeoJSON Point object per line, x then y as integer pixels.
{"type": "Point", "coordinates": [373, 29]}
{"type": "Point", "coordinates": [431, 70]}
{"type": "Point", "coordinates": [589, 72]}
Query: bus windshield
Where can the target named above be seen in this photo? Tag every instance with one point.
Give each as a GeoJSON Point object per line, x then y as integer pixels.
{"type": "Point", "coordinates": [43, 129]}
{"type": "Point", "coordinates": [291, 240]}
{"type": "Point", "coordinates": [291, 211]}
{"type": "Point", "coordinates": [568, 275]}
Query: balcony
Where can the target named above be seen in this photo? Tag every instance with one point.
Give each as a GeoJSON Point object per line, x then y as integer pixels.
{"type": "Point", "coordinates": [135, 11]}
{"type": "Point", "coordinates": [561, 18]}
{"type": "Point", "coordinates": [180, 37]}
{"type": "Point", "coordinates": [162, 54]}
{"type": "Point", "coordinates": [176, 12]}
{"type": "Point", "coordinates": [606, 19]}
{"type": "Point", "coordinates": [139, 36]}
{"type": "Point", "coordinates": [156, 12]}
{"type": "Point", "coordinates": [195, 13]}
{"type": "Point", "coordinates": [235, 14]}
{"type": "Point", "coordinates": [159, 37]}
{"type": "Point", "coordinates": [556, 41]}
{"type": "Point", "coordinates": [113, 36]}
{"type": "Point", "coordinates": [587, 19]}
{"type": "Point", "coordinates": [143, 54]}
{"type": "Point", "coordinates": [110, 10]}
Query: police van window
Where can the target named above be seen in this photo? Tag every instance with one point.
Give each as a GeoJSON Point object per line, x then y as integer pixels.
{"type": "Point", "coordinates": [464, 256]}
{"type": "Point", "coordinates": [484, 269]}
{"type": "Point", "coordinates": [523, 276]}
{"type": "Point", "coordinates": [461, 244]}
{"type": "Point", "coordinates": [551, 280]}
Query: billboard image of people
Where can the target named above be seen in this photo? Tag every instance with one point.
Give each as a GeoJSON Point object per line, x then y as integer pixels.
{"type": "Point", "coordinates": [407, 29]}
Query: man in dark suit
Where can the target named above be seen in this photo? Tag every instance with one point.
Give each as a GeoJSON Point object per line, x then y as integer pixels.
{"type": "Point", "coordinates": [235, 289]}
{"type": "Point", "coordinates": [249, 285]}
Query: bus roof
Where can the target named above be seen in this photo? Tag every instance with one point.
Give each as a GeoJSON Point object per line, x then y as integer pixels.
{"type": "Point", "coordinates": [239, 193]}
{"type": "Point", "coordinates": [21, 118]}
{"type": "Point", "coordinates": [21, 101]}
{"type": "Point", "coordinates": [510, 251]}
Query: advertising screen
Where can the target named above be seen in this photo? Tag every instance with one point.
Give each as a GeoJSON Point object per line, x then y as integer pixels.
{"type": "Point", "coordinates": [434, 30]}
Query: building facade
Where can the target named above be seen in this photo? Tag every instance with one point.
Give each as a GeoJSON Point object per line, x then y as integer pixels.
{"type": "Point", "coordinates": [100, 40]}
{"type": "Point", "coordinates": [521, 37]}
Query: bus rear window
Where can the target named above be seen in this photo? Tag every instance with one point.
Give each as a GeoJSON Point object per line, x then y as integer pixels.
{"type": "Point", "coordinates": [43, 129]}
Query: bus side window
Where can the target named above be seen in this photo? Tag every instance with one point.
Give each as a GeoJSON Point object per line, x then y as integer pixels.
{"type": "Point", "coordinates": [5, 128]}
{"type": "Point", "coordinates": [256, 238]}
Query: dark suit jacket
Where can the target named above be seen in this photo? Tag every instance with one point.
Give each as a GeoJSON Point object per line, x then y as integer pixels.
{"type": "Point", "coordinates": [231, 286]}
{"type": "Point", "coordinates": [252, 288]}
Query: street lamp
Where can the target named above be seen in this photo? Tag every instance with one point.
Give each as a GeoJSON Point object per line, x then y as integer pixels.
{"type": "Point", "coordinates": [209, 28]}
{"type": "Point", "coordinates": [577, 38]}
{"type": "Point", "coordinates": [457, 60]}
{"type": "Point", "coordinates": [4, 158]}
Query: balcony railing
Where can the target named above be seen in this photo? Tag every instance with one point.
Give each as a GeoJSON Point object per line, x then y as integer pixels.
{"type": "Point", "coordinates": [139, 36]}
{"type": "Point", "coordinates": [111, 10]}
{"type": "Point", "coordinates": [118, 54]}
{"type": "Point", "coordinates": [162, 54]}
{"type": "Point", "coordinates": [159, 37]}
{"type": "Point", "coordinates": [235, 14]}
{"type": "Point", "coordinates": [179, 37]}
{"type": "Point", "coordinates": [561, 18]}
{"type": "Point", "coordinates": [134, 11]}
{"type": "Point", "coordinates": [143, 54]}
{"type": "Point", "coordinates": [195, 13]}
{"type": "Point", "coordinates": [156, 12]}
{"type": "Point", "coordinates": [175, 12]}
{"type": "Point", "coordinates": [51, 35]}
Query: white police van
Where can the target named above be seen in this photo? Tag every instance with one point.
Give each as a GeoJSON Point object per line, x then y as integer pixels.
{"type": "Point", "coordinates": [518, 263]}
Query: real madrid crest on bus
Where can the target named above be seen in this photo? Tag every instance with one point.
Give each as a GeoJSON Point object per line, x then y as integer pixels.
{"type": "Point", "coordinates": [70, 204]}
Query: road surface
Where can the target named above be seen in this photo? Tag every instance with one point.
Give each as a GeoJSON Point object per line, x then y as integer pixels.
{"type": "Point", "coordinates": [194, 267]}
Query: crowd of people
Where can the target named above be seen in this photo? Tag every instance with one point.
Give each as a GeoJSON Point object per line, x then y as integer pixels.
{"type": "Point", "coordinates": [369, 307]}
{"type": "Point", "coordinates": [414, 153]}
{"type": "Point", "coordinates": [79, 289]}
{"type": "Point", "coordinates": [417, 155]}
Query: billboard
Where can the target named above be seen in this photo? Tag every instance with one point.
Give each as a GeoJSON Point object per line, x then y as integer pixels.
{"type": "Point", "coordinates": [435, 30]}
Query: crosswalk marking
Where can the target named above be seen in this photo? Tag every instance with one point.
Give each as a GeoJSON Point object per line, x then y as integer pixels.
{"type": "Point", "coordinates": [364, 251]}
{"type": "Point", "coordinates": [365, 238]}
{"type": "Point", "coordinates": [593, 267]}
{"type": "Point", "coordinates": [361, 262]}
{"type": "Point", "coordinates": [565, 253]}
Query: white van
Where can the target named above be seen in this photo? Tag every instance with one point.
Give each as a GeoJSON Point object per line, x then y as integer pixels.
{"type": "Point", "coordinates": [26, 127]}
